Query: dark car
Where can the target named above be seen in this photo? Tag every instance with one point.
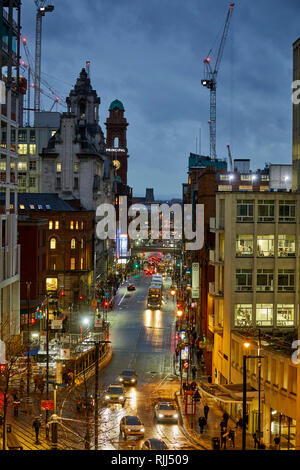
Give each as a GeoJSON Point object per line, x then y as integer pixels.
{"type": "Point", "coordinates": [154, 444]}
{"type": "Point", "coordinates": [131, 287]}
{"type": "Point", "coordinates": [128, 377]}
{"type": "Point", "coordinates": [85, 402]}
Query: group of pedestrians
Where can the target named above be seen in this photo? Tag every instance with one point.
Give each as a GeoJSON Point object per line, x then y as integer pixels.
{"type": "Point", "coordinates": [226, 432]}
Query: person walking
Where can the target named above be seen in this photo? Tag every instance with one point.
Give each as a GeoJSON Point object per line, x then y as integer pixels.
{"type": "Point", "coordinates": [231, 436]}
{"type": "Point", "coordinates": [277, 442]}
{"type": "Point", "coordinates": [256, 442]}
{"type": "Point", "coordinates": [224, 435]}
{"type": "Point", "coordinates": [206, 410]}
{"type": "Point", "coordinates": [36, 424]}
{"type": "Point", "coordinates": [202, 423]}
{"type": "Point", "coordinates": [16, 404]}
{"type": "Point", "coordinates": [194, 372]}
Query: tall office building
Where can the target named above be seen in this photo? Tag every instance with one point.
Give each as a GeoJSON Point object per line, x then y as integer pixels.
{"type": "Point", "coordinates": [296, 118]}
{"type": "Point", "coordinates": [9, 118]}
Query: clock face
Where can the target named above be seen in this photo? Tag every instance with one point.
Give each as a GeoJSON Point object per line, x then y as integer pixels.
{"type": "Point", "coordinates": [116, 164]}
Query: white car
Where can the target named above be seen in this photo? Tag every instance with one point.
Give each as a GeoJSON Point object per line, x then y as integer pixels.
{"type": "Point", "coordinates": [166, 411]}
{"type": "Point", "coordinates": [131, 426]}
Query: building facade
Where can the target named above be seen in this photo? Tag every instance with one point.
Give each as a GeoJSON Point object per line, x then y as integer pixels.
{"type": "Point", "coordinates": [10, 14]}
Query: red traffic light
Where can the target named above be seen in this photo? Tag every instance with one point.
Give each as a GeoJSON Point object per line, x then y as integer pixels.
{"type": "Point", "coordinates": [80, 297]}
{"type": "Point", "coordinates": [62, 294]}
{"type": "Point", "coordinates": [33, 320]}
{"type": "Point", "coordinates": [106, 303]}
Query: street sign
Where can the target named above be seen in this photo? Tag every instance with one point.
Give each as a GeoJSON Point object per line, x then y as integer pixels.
{"type": "Point", "coordinates": [56, 325]}
{"type": "Point", "coordinates": [94, 303]}
{"type": "Point", "coordinates": [98, 323]}
{"type": "Point", "coordinates": [47, 404]}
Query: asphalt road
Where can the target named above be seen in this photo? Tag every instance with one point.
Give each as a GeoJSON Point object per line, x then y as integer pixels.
{"type": "Point", "coordinates": [142, 340]}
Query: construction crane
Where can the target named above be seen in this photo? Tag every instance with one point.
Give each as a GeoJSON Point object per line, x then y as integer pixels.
{"type": "Point", "coordinates": [230, 158]}
{"type": "Point", "coordinates": [210, 81]}
{"type": "Point", "coordinates": [42, 8]}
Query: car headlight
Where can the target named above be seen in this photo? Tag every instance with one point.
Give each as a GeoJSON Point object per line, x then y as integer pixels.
{"type": "Point", "coordinates": [107, 397]}
{"type": "Point", "coordinates": [176, 416]}
{"type": "Point", "coordinates": [160, 415]}
{"type": "Point", "coordinates": [121, 397]}
{"type": "Point", "coordinates": [142, 430]}
{"type": "Point", "coordinates": [120, 379]}
{"type": "Point", "coordinates": [132, 380]}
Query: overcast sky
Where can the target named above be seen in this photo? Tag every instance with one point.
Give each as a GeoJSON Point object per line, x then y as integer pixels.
{"type": "Point", "coordinates": [149, 54]}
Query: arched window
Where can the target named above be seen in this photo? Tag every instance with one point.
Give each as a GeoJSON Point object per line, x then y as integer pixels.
{"type": "Point", "coordinates": [53, 243]}
{"type": "Point", "coordinates": [82, 244]}
{"type": "Point", "coordinates": [73, 244]}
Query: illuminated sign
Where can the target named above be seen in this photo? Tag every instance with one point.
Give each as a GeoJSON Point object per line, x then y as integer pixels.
{"type": "Point", "coordinates": [115, 150]}
{"type": "Point", "coordinates": [51, 283]}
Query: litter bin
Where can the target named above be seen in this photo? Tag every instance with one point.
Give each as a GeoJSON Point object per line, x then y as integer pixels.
{"type": "Point", "coordinates": [215, 443]}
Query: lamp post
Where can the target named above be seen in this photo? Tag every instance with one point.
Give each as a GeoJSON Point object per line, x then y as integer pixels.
{"type": "Point", "coordinates": [245, 357]}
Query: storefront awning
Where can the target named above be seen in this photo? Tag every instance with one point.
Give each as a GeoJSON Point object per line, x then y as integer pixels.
{"type": "Point", "coordinates": [229, 393]}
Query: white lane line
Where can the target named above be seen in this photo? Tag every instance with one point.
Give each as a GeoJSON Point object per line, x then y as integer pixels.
{"type": "Point", "coordinates": [122, 299]}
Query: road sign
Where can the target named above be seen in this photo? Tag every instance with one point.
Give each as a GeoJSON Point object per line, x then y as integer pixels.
{"type": "Point", "coordinates": [94, 303]}
{"type": "Point", "coordinates": [47, 404]}
{"type": "Point", "coordinates": [56, 325]}
{"type": "Point", "coordinates": [98, 322]}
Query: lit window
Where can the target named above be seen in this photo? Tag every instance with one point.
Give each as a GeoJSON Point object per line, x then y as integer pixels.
{"type": "Point", "coordinates": [243, 315]}
{"type": "Point", "coordinates": [264, 314]}
{"type": "Point", "coordinates": [51, 283]}
{"type": "Point", "coordinates": [223, 187]}
{"type": "Point", "coordinates": [245, 177]}
{"type": "Point", "coordinates": [244, 245]}
{"type": "Point", "coordinates": [286, 245]}
{"type": "Point", "coordinates": [2, 166]}
{"type": "Point", "coordinates": [22, 166]}
{"type": "Point", "coordinates": [31, 206]}
{"type": "Point", "coordinates": [72, 264]}
{"type": "Point", "coordinates": [53, 132]}
{"type": "Point", "coordinates": [265, 245]}
{"type": "Point", "coordinates": [81, 263]}
{"type": "Point", "coordinates": [22, 206]}
{"type": "Point", "coordinates": [32, 149]}
{"type": "Point", "coordinates": [50, 224]}
{"type": "Point", "coordinates": [82, 243]}
{"type": "Point", "coordinates": [73, 244]}
{"type": "Point", "coordinates": [76, 166]}
{"type": "Point", "coordinates": [58, 167]}
{"type": "Point", "coordinates": [57, 225]}
{"type": "Point", "coordinates": [285, 315]}
{"type": "Point", "coordinates": [71, 224]}
{"type": "Point", "coordinates": [77, 225]}
{"type": "Point", "coordinates": [81, 225]}
{"type": "Point", "coordinates": [52, 243]}
{"type": "Point", "coordinates": [22, 149]}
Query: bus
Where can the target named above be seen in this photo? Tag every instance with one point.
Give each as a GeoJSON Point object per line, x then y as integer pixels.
{"type": "Point", "coordinates": [154, 296]}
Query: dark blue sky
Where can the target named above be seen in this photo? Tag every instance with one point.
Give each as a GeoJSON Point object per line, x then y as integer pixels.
{"type": "Point", "coordinates": [149, 54]}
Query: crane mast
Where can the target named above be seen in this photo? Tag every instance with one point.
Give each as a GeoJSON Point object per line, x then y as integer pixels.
{"type": "Point", "coordinates": [42, 8]}
{"type": "Point", "coordinates": [210, 82]}
{"type": "Point", "coordinates": [230, 158]}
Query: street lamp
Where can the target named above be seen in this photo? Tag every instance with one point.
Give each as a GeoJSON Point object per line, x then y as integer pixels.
{"type": "Point", "coordinates": [245, 357]}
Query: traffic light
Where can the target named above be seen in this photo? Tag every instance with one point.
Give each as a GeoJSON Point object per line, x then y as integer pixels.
{"type": "Point", "coordinates": [81, 297]}
{"type": "Point", "coordinates": [106, 303]}
{"type": "Point", "coordinates": [179, 313]}
{"type": "Point", "coordinates": [33, 320]}
{"type": "Point", "coordinates": [62, 294]}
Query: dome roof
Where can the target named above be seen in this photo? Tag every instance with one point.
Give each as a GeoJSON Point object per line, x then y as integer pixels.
{"type": "Point", "coordinates": [116, 104]}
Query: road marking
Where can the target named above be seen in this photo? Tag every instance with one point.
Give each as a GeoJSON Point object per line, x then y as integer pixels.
{"type": "Point", "coordinates": [122, 299]}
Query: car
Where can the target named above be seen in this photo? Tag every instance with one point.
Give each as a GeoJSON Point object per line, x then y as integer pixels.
{"type": "Point", "coordinates": [115, 394]}
{"type": "Point", "coordinates": [128, 377]}
{"type": "Point", "coordinates": [85, 402]}
{"type": "Point", "coordinates": [154, 444]}
{"type": "Point", "coordinates": [166, 411]}
{"type": "Point", "coordinates": [131, 426]}
{"type": "Point", "coordinates": [131, 287]}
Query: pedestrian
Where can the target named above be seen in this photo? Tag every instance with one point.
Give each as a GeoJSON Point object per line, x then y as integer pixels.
{"type": "Point", "coordinates": [223, 425]}
{"type": "Point", "coordinates": [206, 410]}
{"type": "Point", "coordinates": [202, 423]}
{"type": "Point", "coordinates": [277, 442]}
{"type": "Point", "coordinates": [194, 372]}
{"type": "Point", "coordinates": [193, 386]}
{"type": "Point", "coordinates": [224, 435]}
{"type": "Point", "coordinates": [197, 396]}
{"type": "Point", "coordinates": [41, 386]}
{"type": "Point", "coordinates": [226, 417]}
{"type": "Point", "coordinates": [36, 424]}
{"type": "Point", "coordinates": [256, 441]}
{"type": "Point", "coordinates": [231, 436]}
{"type": "Point", "coordinates": [16, 404]}
{"type": "Point", "coordinates": [239, 423]}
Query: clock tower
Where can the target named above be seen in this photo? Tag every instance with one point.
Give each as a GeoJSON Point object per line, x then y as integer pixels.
{"type": "Point", "coordinates": [116, 141]}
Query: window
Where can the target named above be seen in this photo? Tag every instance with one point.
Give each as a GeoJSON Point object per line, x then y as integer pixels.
{"type": "Point", "coordinates": [22, 166]}
{"type": "Point", "coordinates": [53, 243]}
{"type": "Point", "coordinates": [285, 315]}
{"type": "Point", "coordinates": [81, 225]}
{"type": "Point", "coordinates": [2, 166]}
{"type": "Point", "coordinates": [81, 264]}
{"type": "Point", "coordinates": [77, 225]}
{"type": "Point", "coordinates": [224, 187]}
{"type": "Point", "coordinates": [71, 224]}
{"type": "Point", "coordinates": [73, 244]}
{"type": "Point", "coordinates": [72, 264]}
{"type": "Point", "coordinates": [244, 245]}
{"type": "Point", "coordinates": [22, 149]}
{"type": "Point", "coordinates": [243, 315]}
{"type": "Point", "coordinates": [76, 184]}
{"type": "Point", "coordinates": [264, 314]}
{"type": "Point", "coordinates": [243, 280]}
{"type": "Point", "coordinates": [76, 166]}
{"type": "Point", "coordinates": [22, 136]}
{"type": "Point", "coordinates": [286, 245]}
{"type": "Point", "coordinates": [245, 177]}
{"type": "Point", "coordinates": [32, 149]}
{"type": "Point", "coordinates": [32, 182]}
{"type": "Point", "coordinates": [32, 137]}
{"type": "Point", "coordinates": [265, 177]}
{"type": "Point", "coordinates": [21, 206]}
{"type": "Point", "coordinates": [82, 244]}
{"type": "Point", "coordinates": [58, 183]}
{"type": "Point", "coordinates": [53, 132]}
{"type": "Point", "coordinates": [265, 280]}
{"type": "Point", "coordinates": [57, 225]}
{"type": "Point", "coordinates": [58, 167]}
{"type": "Point", "coordinates": [286, 280]}
{"type": "Point", "coordinates": [50, 225]}
{"type": "Point", "coordinates": [32, 165]}
{"type": "Point", "coordinates": [266, 211]}
{"type": "Point", "coordinates": [287, 211]}
{"type": "Point", "coordinates": [265, 245]}
{"type": "Point", "coordinates": [224, 177]}
{"type": "Point", "coordinates": [244, 211]}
